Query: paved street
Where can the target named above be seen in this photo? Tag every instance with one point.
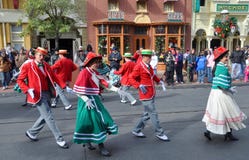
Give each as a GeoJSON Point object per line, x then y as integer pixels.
{"type": "Point", "coordinates": [180, 112]}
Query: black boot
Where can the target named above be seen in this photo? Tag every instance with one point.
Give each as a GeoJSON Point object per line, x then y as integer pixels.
{"type": "Point", "coordinates": [103, 150]}
{"type": "Point", "coordinates": [229, 136]}
{"type": "Point", "coordinates": [90, 146]}
{"type": "Point", "coordinates": [207, 135]}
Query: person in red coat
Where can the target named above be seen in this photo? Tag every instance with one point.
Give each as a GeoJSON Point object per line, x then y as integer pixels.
{"type": "Point", "coordinates": [137, 56]}
{"type": "Point", "coordinates": [63, 69]}
{"type": "Point", "coordinates": [41, 85]}
{"type": "Point", "coordinates": [143, 78]}
{"type": "Point", "coordinates": [125, 71]}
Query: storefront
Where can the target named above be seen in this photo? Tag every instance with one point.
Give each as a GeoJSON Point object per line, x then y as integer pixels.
{"type": "Point", "coordinates": [130, 36]}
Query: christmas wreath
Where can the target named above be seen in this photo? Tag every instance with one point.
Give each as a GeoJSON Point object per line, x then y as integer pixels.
{"type": "Point", "coordinates": [224, 28]}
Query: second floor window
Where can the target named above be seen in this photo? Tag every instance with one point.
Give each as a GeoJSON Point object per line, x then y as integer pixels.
{"type": "Point", "coordinates": [141, 6]}
{"type": "Point", "coordinates": [168, 7]}
{"type": "Point", "coordinates": [113, 5]}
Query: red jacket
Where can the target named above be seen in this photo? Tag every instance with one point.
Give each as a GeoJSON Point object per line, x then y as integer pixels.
{"type": "Point", "coordinates": [89, 82]}
{"type": "Point", "coordinates": [63, 69]}
{"type": "Point", "coordinates": [142, 75]}
{"type": "Point", "coordinates": [30, 72]}
{"type": "Point", "coordinates": [138, 57]}
{"type": "Point", "coordinates": [125, 71]}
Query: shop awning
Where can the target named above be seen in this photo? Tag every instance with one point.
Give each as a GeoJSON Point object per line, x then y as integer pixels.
{"type": "Point", "coordinates": [12, 16]}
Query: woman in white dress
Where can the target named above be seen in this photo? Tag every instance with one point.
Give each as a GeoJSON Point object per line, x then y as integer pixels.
{"type": "Point", "coordinates": [222, 112]}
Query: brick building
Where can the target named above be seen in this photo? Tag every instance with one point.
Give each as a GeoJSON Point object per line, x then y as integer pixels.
{"type": "Point", "coordinates": [131, 24]}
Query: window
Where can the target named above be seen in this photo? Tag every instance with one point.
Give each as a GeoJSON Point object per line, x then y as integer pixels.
{"type": "Point", "coordinates": [113, 5]}
{"type": "Point", "coordinates": [16, 39]}
{"type": "Point", "coordinates": [168, 7]}
{"type": "Point", "coordinates": [141, 6]}
{"type": "Point", "coordinates": [202, 2]}
{"type": "Point", "coordinates": [141, 30]}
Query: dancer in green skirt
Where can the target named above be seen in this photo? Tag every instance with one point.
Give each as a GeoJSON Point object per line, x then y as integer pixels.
{"type": "Point", "coordinates": [93, 122]}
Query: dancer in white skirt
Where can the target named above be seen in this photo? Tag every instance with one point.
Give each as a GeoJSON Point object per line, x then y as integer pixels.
{"type": "Point", "coordinates": [222, 112]}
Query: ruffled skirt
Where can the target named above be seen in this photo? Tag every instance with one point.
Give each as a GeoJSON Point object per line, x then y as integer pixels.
{"type": "Point", "coordinates": [222, 113]}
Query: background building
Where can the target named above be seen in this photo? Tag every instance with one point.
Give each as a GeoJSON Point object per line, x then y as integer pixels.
{"type": "Point", "coordinates": [133, 24]}
{"type": "Point", "coordinates": [204, 15]}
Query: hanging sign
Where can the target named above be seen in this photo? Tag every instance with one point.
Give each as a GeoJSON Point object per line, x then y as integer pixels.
{"type": "Point", "coordinates": [175, 17]}
{"type": "Point", "coordinates": [116, 15]}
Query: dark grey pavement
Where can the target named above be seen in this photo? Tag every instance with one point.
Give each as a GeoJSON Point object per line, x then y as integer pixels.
{"type": "Point", "coordinates": [180, 112]}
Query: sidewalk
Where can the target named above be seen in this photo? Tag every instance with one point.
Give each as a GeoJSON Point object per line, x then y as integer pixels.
{"type": "Point", "coordinates": [11, 92]}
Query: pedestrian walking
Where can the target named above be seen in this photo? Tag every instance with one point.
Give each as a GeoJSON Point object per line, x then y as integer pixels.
{"type": "Point", "coordinates": [63, 69]}
{"type": "Point", "coordinates": [40, 85]}
{"type": "Point", "coordinates": [125, 70]}
{"type": "Point", "coordinates": [93, 121]}
{"type": "Point", "coordinates": [143, 79]}
{"type": "Point", "coordinates": [222, 112]}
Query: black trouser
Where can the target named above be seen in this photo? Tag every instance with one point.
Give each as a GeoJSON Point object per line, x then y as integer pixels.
{"type": "Point", "coordinates": [169, 77]}
{"type": "Point", "coordinates": [179, 76]}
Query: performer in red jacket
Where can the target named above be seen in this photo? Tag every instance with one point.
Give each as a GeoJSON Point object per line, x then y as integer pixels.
{"type": "Point", "coordinates": [41, 84]}
{"type": "Point", "coordinates": [125, 70]}
{"type": "Point", "coordinates": [143, 78]}
{"type": "Point", "coordinates": [63, 69]}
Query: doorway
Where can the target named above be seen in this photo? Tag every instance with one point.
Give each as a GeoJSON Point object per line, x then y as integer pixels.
{"type": "Point", "coordinates": [141, 42]}
{"type": "Point", "coordinates": [64, 44]}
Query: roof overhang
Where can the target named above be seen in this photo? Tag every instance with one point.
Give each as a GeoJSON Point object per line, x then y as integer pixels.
{"type": "Point", "coordinates": [12, 16]}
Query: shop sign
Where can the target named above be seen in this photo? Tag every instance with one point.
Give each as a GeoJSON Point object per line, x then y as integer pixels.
{"type": "Point", "coordinates": [232, 7]}
{"type": "Point", "coordinates": [115, 15]}
{"type": "Point", "coordinates": [175, 17]}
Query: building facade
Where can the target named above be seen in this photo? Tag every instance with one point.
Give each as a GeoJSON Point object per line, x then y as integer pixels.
{"type": "Point", "coordinates": [10, 13]}
{"type": "Point", "coordinates": [204, 35]}
{"type": "Point", "coordinates": [133, 24]}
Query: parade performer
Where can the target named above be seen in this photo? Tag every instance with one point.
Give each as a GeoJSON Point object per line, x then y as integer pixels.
{"type": "Point", "coordinates": [39, 87]}
{"type": "Point", "coordinates": [143, 79]}
{"type": "Point", "coordinates": [125, 71]}
{"type": "Point", "coordinates": [222, 112]}
{"type": "Point", "coordinates": [93, 122]}
{"type": "Point", "coordinates": [63, 69]}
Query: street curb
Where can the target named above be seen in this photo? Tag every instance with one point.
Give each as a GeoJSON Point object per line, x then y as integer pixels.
{"type": "Point", "coordinates": [158, 87]}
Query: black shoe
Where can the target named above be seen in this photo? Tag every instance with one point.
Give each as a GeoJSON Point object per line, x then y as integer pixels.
{"type": "Point", "coordinates": [89, 146]}
{"type": "Point", "coordinates": [229, 136]}
{"type": "Point", "coordinates": [207, 135]}
{"type": "Point", "coordinates": [25, 104]}
{"type": "Point", "coordinates": [103, 150]}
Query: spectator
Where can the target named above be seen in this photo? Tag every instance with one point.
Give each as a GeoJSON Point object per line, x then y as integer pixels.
{"type": "Point", "coordinates": [154, 61]}
{"type": "Point", "coordinates": [169, 61]}
{"type": "Point", "coordinates": [115, 58]}
{"type": "Point", "coordinates": [5, 68]}
{"type": "Point", "coordinates": [191, 60]}
{"type": "Point", "coordinates": [236, 58]}
{"type": "Point", "coordinates": [201, 62]}
{"type": "Point", "coordinates": [178, 65]}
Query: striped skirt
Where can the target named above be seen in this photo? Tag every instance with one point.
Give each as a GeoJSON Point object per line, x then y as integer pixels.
{"type": "Point", "coordinates": [93, 125]}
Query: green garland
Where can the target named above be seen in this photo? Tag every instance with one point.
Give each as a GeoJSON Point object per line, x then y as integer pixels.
{"type": "Point", "coordinates": [223, 28]}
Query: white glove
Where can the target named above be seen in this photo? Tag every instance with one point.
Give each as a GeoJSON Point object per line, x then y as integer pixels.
{"type": "Point", "coordinates": [31, 92]}
{"type": "Point", "coordinates": [88, 102]}
{"type": "Point", "coordinates": [113, 88]}
{"type": "Point", "coordinates": [163, 86]}
{"type": "Point", "coordinates": [233, 90]}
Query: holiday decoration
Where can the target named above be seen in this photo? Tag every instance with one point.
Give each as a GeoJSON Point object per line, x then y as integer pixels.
{"type": "Point", "coordinates": [225, 27]}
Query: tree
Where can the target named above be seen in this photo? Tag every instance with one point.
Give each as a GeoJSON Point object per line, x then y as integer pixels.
{"type": "Point", "coordinates": [49, 17]}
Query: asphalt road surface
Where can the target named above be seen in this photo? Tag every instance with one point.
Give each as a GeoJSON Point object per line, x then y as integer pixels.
{"type": "Point", "coordinates": [180, 113]}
